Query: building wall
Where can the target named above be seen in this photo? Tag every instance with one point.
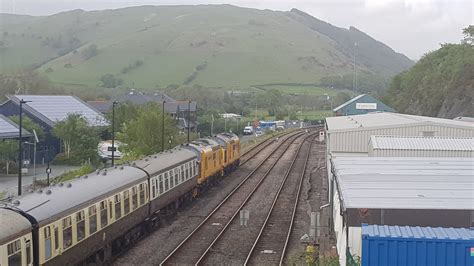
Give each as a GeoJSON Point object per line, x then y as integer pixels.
{"type": "Point", "coordinates": [418, 153]}
{"type": "Point", "coordinates": [357, 140]}
{"type": "Point", "coordinates": [52, 143]}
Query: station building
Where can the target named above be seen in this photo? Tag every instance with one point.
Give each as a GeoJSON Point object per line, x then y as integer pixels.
{"type": "Point", "coordinates": [46, 111]}
{"type": "Point", "coordinates": [403, 191]}
{"type": "Point", "coordinates": [361, 104]}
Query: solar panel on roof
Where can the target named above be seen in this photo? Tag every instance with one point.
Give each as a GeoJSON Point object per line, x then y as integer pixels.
{"type": "Point", "coordinates": [8, 128]}
{"type": "Point", "coordinates": [57, 107]}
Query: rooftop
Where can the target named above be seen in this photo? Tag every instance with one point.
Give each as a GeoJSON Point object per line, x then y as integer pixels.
{"type": "Point", "coordinates": [417, 232]}
{"type": "Point", "coordinates": [422, 143]}
{"type": "Point", "coordinates": [9, 130]}
{"type": "Point", "coordinates": [405, 183]}
{"type": "Point", "coordinates": [54, 108]}
{"type": "Point", "coordinates": [387, 119]}
{"type": "Point", "coordinates": [348, 102]}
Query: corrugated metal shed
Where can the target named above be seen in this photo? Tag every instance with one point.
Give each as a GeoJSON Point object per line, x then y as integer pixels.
{"type": "Point", "coordinates": [403, 245]}
{"type": "Point", "coordinates": [417, 232]}
{"type": "Point", "coordinates": [399, 146]}
{"type": "Point", "coordinates": [348, 134]}
{"type": "Point", "coordinates": [362, 104]}
{"type": "Point", "coordinates": [405, 183]}
{"type": "Point", "coordinates": [9, 130]}
{"type": "Point", "coordinates": [54, 108]}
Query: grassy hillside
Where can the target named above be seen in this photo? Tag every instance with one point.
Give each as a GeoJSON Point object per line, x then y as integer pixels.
{"type": "Point", "coordinates": [440, 84]}
{"type": "Point", "coordinates": [218, 46]}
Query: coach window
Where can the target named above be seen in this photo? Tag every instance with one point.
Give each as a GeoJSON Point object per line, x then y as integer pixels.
{"type": "Point", "coordinates": [28, 251]}
{"type": "Point", "coordinates": [56, 238]}
{"type": "Point", "coordinates": [126, 202]}
{"type": "Point", "coordinates": [134, 198]}
{"type": "Point", "coordinates": [172, 184]}
{"type": "Point", "coordinates": [118, 207]}
{"type": "Point", "coordinates": [167, 186]}
{"type": "Point", "coordinates": [182, 174]}
{"type": "Point", "coordinates": [92, 219]}
{"type": "Point", "coordinates": [47, 242]}
{"type": "Point", "coordinates": [103, 214]}
{"type": "Point", "coordinates": [176, 176]}
{"type": "Point", "coordinates": [153, 188]}
{"type": "Point", "coordinates": [187, 171]}
{"type": "Point", "coordinates": [81, 225]}
{"type": "Point", "coordinates": [142, 194]}
{"type": "Point", "coordinates": [161, 185]}
{"type": "Point", "coordinates": [67, 232]}
{"type": "Point", "coordinates": [14, 253]}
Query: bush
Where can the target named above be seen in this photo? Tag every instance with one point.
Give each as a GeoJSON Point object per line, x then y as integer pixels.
{"type": "Point", "coordinates": [84, 170]}
{"type": "Point", "coordinates": [90, 51]}
{"type": "Point", "coordinates": [110, 81]}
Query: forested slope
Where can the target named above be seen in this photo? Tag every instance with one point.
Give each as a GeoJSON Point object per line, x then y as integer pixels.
{"type": "Point", "coordinates": [440, 84]}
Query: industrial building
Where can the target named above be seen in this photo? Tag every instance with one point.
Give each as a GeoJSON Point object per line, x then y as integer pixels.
{"type": "Point", "coordinates": [400, 146]}
{"type": "Point", "coordinates": [349, 135]}
{"type": "Point", "coordinates": [409, 191]}
{"type": "Point", "coordinates": [361, 104]}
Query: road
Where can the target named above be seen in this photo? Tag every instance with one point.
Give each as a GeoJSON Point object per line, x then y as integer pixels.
{"type": "Point", "coordinates": [9, 184]}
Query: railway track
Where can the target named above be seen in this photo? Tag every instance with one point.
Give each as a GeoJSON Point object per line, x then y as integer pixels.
{"type": "Point", "coordinates": [237, 242]}
{"type": "Point", "coordinates": [250, 154]}
{"type": "Point", "coordinates": [192, 249]}
{"type": "Point", "coordinates": [271, 244]}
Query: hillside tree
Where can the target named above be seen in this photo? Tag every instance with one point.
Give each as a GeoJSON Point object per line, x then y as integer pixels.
{"type": "Point", "coordinates": [79, 140]}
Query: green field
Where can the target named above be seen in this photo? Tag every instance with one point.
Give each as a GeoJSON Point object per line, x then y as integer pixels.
{"type": "Point", "coordinates": [210, 45]}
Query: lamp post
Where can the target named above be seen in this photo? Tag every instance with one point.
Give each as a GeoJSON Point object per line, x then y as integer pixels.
{"type": "Point", "coordinates": [34, 161]}
{"type": "Point", "coordinates": [189, 116]}
{"type": "Point", "coordinates": [20, 146]}
{"type": "Point", "coordinates": [163, 127]}
{"type": "Point", "coordinates": [113, 132]}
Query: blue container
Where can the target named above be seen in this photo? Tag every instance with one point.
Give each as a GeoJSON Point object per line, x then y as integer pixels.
{"type": "Point", "coordinates": [404, 245]}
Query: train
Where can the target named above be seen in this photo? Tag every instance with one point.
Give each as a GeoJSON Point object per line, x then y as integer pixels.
{"type": "Point", "coordinates": [94, 217]}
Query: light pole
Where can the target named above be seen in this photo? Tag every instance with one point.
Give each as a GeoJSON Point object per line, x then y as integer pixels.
{"type": "Point", "coordinates": [189, 117]}
{"type": "Point", "coordinates": [113, 132]}
{"type": "Point", "coordinates": [34, 161]}
{"type": "Point", "coordinates": [20, 146]}
{"type": "Point", "coordinates": [163, 127]}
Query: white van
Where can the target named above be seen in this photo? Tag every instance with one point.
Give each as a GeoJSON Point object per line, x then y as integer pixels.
{"type": "Point", "coordinates": [248, 130]}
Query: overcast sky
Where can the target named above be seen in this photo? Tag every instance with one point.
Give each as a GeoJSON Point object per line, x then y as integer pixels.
{"type": "Point", "coordinates": [412, 27]}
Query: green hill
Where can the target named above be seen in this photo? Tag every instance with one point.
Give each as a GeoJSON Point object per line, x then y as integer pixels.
{"type": "Point", "coordinates": [209, 45]}
{"type": "Point", "coordinates": [440, 84]}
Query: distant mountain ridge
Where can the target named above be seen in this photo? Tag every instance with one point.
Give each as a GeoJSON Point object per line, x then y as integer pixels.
{"type": "Point", "coordinates": [209, 45]}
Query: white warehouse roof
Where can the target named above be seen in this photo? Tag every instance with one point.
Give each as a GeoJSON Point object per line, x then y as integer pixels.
{"type": "Point", "coordinates": [405, 183]}
{"type": "Point", "coordinates": [382, 119]}
{"type": "Point", "coordinates": [422, 143]}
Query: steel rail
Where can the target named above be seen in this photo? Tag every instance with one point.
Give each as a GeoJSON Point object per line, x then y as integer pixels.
{"type": "Point", "coordinates": [293, 215]}
{"type": "Point", "coordinates": [245, 202]}
{"type": "Point", "coordinates": [294, 136]}
{"type": "Point", "coordinates": [264, 225]}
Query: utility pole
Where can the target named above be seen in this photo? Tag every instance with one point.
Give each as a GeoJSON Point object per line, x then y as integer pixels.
{"type": "Point", "coordinates": [20, 146]}
{"type": "Point", "coordinates": [212, 125]}
{"type": "Point", "coordinates": [113, 132]}
{"type": "Point", "coordinates": [163, 127]}
{"type": "Point", "coordinates": [189, 117]}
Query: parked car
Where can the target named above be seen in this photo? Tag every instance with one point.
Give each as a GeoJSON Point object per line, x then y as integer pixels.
{"type": "Point", "coordinates": [248, 130]}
